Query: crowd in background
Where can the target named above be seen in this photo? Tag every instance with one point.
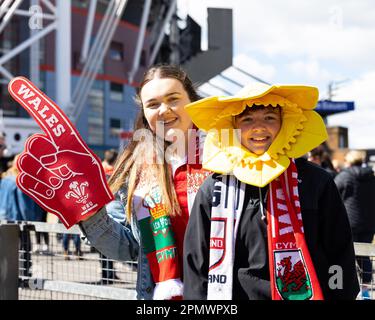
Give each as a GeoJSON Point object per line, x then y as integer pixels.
{"type": "Point", "coordinates": [355, 182]}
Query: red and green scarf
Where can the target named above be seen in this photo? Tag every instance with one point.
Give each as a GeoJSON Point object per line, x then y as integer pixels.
{"type": "Point", "coordinates": [157, 232]}
{"type": "Point", "coordinates": [292, 272]}
{"type": "Point", "coordinates": [158, 242]}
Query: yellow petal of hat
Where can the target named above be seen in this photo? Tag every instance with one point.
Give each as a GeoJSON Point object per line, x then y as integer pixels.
{"type": "Point", "coordinates": [302, 130]}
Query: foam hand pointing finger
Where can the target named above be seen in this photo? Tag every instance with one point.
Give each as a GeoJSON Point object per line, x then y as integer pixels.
{"type": "Point", "coordinates": [57, 169]}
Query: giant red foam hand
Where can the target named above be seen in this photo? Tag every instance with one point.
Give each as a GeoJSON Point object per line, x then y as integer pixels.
{"type": "Point", "coordinates": [57, 169]}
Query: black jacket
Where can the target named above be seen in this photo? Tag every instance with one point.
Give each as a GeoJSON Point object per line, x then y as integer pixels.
{"type": "Point", "coordinates": [327, 234]}
{"type": "Point", "coordinates": [357, 189]}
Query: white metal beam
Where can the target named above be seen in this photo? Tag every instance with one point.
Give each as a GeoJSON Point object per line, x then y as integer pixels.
{"type": "Point", "coordinates": [34, 54]}
{"type": "Point", "coordinates": [90, 65]}
{"type": "Point", "coordinates": [140, 40]}
{"type": "Point", "coordinates": [9, 14]}
{"type": "Point", "coordinates": [220, 88]}
{"type": "Point", "coordinates": [90, 290]}
{"type": "Point", "coordinates": [45, 16]}
{"type": "Point", "coordinates": [250, 75]}
{"type": "Point", "coordinates": [27, 43]}
{"type": "Point", "coordinates": [63, 53]}
{"type": "Point", "coordinates": [6, 73]}
{"type": "Point", "coordinates": [50, 6]}
{"type": "Point", "coordinates": [174, 39]}
{"type": "Point", "coordinates": [96, 55]}
{"type": "Point", "coordinates": [168, 17]}
{"type": "Point", "coordinates": [88, 30]}
{"type": "Point", "coordinates": [4, 7]}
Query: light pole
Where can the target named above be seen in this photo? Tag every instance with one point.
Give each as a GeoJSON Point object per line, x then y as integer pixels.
{"type": "Point", "coordinates": [333, 86]}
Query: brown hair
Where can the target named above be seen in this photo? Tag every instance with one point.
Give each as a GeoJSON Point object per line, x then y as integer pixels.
{"type": "Point", "coordinates": [132, 160]}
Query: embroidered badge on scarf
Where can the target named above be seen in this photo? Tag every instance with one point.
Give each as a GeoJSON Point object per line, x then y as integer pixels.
{"type": "Point", "coordinates": [158, 241]}
{"type": "Point", "coordinates": [156, 229]}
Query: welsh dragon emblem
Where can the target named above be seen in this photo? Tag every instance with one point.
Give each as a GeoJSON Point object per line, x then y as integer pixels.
{"type": "Point", "coordinates": [292, 280]}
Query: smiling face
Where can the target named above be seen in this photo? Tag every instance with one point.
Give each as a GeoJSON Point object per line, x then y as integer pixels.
{"type": "Point", "coordinates": [163, 101]}
{"type": "Point", "coordinates": [259, 127]}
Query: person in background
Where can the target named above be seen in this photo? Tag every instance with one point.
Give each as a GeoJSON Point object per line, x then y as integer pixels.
{"type": "Point", "coordinates": [14, 204]}
{"type": "Point", "coordinates": [17, 206]}
{"type": "Point", "coordinates": [9, 209]}
{"type": "Point", "coordinates": [337, 165]}
{"type": "Point", "coordinates": [108, 272]}
{"type": "Point", "coordinates": [356, 184]}
{"type": "Point", "coordinates": [110, 157]}
{"type": "Point", "coordinates": [2, 145]}
{"type": "Point", "coordinates": [39, 235]}
{"type": "Point", "coordinates": [322, 158]}
{"type": "Point", "coordinates": [77, 244]}
{"type": "Point", "coordinates": [2, 149]}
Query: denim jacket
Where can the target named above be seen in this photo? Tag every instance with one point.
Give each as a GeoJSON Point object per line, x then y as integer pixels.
{"type": "Point", "coordinates": [109, 232]}
{"type": "Point", "coordinates": [16, 205]}
{"type": "Point", "coordinates": [118, 239]}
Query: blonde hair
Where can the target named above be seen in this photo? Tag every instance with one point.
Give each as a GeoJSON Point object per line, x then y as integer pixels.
{"type": "Point", "coordinates": [355, 157]}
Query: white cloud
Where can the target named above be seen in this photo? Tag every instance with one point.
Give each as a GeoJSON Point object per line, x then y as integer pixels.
{"type": "Point", "coordinates": [321, 29]}
{"type": "Point", "coordinates": [361, 121]}
{"type": "Point", "coordinates": [247, 63]}
{"type": "Point", "coordinates": [311, 70]}
{"type": "Point", "coordinates": [312, 42]}
{"type": "Point", "coordinates": [348, 44]}
{"type": "Point", "coordinates": [361, 90]}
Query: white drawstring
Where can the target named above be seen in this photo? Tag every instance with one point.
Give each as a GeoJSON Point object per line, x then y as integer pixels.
{"type": "Point", "coordinates": [264, 217]}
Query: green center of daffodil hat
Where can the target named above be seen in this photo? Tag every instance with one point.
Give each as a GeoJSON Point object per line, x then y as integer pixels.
{"type": "Point", "coordinates": [302, 129]}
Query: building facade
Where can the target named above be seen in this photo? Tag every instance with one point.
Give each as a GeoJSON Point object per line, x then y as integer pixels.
{"type": "Point", "coordinates": [110, 107]}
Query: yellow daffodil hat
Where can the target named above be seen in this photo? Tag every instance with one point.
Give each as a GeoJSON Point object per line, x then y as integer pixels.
{"type": "Point", "coordinates": [302, 129]}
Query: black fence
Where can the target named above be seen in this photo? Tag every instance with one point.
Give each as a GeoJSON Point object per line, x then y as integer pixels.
{"type": "Point", "coordinates": [45, 261]}
{"type": "Point", "coordinates": [53, 263]}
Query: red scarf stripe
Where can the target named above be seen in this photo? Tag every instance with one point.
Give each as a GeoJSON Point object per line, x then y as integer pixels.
{"type": "Point", "coordinates": [163, 270]}
{"type": "Point", "coordinates": [291, 267]}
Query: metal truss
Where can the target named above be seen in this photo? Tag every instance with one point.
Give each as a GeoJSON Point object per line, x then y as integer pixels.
{"type": "Point", "coordinates": [95, 56]}
{"type": "Point", "coordinates": [60, 21]}
{"type": "Point", "coordinates": [8, 9]}
{"type": "Point", "coordinates": [140, 40]}
{"type": "Point", "coordinates": [225, 91]}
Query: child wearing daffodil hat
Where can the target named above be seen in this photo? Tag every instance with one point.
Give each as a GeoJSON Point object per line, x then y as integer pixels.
{"type": "Point", "coordinates": [266, 224]}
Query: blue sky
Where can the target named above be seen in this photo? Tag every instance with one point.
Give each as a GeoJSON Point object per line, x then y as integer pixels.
{"type": "Point", "coordinates": [307, 42]}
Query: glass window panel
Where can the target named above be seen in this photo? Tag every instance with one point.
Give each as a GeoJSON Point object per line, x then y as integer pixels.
{"type": "Point", "coordinates": [116, 92]}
